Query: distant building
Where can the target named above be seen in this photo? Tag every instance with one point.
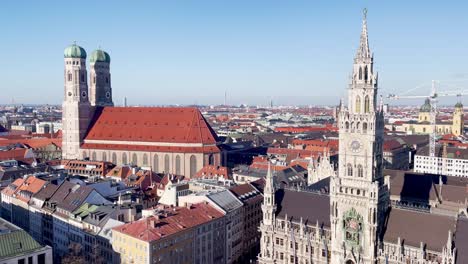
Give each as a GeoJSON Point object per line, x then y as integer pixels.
{"type": "Point", "coordinates": [423, 125]}
{"type": "Point", "coordinates": [17, 246]}
{"type": "Point", "coordinates": [450, 161]}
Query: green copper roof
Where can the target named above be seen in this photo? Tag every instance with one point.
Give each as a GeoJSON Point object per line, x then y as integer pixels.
{"type": "Point", "coordinates": [17, 242]}
{"type": "Point", "coordinates": [99, 56]}
{"type": "Point", "coordinates": [426, 107]}
{"type": "Point", "coordinates": [85, 210]}
{"type": "Point", "coordinates": [74, 51]}
{"type": "Point", "coordinates": [459, 105]}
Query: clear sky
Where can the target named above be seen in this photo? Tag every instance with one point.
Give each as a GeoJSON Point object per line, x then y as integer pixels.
{"type": "Point", "coordinates": [184, 52]}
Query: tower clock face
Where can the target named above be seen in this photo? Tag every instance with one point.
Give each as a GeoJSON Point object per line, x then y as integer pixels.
{"type": "Point", "coordinates": [355, 146]}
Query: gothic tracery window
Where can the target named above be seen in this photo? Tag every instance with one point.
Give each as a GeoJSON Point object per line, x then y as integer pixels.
{"type": "Point", "coordinates": [367, 104]}
{"type": "Point", "coordinates": [360, 171]}
{"type": "Point", "coordinates": [360, 73]}
{"type": "Point", "coordinates": [358, 104]}
{"type": "Point", "coordinates": [349, 170]}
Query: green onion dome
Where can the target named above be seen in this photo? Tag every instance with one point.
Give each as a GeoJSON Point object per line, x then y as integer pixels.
{"type": "Point", "coordinates": [74, 51]}
{"type": "Point", "coordinates": [426, 107]}
{"type": "Point", "coordinates": [99, 56]}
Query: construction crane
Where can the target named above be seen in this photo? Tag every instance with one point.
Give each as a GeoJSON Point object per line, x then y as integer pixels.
{"type": "Point", "coordinates": [433, 113]}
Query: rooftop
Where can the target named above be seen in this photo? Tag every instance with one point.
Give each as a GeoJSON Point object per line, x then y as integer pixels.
{"type": "Point", "coordinates": [171, 221]}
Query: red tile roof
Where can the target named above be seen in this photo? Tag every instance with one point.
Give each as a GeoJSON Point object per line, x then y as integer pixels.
{"type": "Point", "coordinates": [211, 170]}
{"type": "Point", "coordinates": [25, 188]}
{"type": "Point", "coordinates": [177, 220]}
{"type": "Point", "coordinates": [152, 124]}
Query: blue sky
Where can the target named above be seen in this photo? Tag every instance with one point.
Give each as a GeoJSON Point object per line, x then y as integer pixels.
{"type": "Point", "coordinates": [184, 52]}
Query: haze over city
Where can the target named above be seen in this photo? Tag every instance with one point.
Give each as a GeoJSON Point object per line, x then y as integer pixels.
{"type": "Point", "coordinates": [294, 53]}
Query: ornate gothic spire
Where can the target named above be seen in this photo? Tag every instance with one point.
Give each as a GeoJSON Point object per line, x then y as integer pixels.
{"type": "Point", "coordinates": [269, 184]}
{"type": "Point", "coordinates": [363, 51]}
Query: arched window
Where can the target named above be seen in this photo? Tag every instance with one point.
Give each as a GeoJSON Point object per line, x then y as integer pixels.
{"type": "Point", "coordinates": [114, 158]}
{"type": "Point", "coordinates": [193, 165]}
{"type": "Point", "coordinates": [211, 159]}
{"type": "Point", "coordinates": [365, 74]}
{"type": "Point", "coordinates": [84, 155]}
{"type": "Point", "coordinates": [367, 104]}
{"type": "Point", "coordinates": [358, 125]}
{"type": "Point", "coordinates": [360, 73]}
{"type": "Point", "coordinates": [360, 171]}
{"type": "Point", "coordinates": [364, 127]}
{"type": "Point", "coordinates": [347, 125]}
{"type": "Point", "coordinates": [166, 163]}
{"type": "Point", "coordinates": [124, 158]}
{"type": "Point", "coordinates": [70, 77]}
{"type": "Point", "coordinates": [145, 159]}
{"type": "Point", "coordinates": [82, 78]}
{"type": "Point", "coordinates": [104, 156]}
{"type": "Point", "coordinates": [358, 104]}
{"type": "Point", "coordinates": [177, 164]}
{"type": "Point", "coordinates": [134, 159]}
{"type": "Point", "coordinates": [93, 155]}
{"type": "Point", "coordinates": [155, 163]}
{"type": "Point", "coordinates": [349, 169]}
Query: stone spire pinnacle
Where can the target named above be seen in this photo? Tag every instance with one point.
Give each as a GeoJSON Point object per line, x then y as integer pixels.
{"type": "Point", "coordinates": [269, 185]}
{"type": "Point", "coordinates": [363, 52]}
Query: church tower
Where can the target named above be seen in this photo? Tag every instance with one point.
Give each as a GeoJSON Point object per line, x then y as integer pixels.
{"type": "Point", "coordinates": [100, 91]}
{"type": "Point", "coordinates": [76, 109]}
{"type": "Point", "coordinates": [359, 194]}
{"type": "Point", "coordinates": [458, 120]}
{"type": "Point", "coordinates": [269, 211]}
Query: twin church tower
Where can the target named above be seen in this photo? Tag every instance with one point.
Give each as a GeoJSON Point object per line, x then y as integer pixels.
{"type": "Point", "coordinates": [81, 101]}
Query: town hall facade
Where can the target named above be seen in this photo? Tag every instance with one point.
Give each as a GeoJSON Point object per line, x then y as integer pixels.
{"type": "Point", "coordinates": [354, 221]}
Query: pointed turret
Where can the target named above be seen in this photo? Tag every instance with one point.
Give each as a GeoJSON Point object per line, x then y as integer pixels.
{"type": "Point", "coordinates": [269, 205]}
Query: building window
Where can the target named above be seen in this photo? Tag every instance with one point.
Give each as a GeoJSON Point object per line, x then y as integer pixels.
{"type": "Point", "coordinates": [211, 159]}
{"type": "Point", "coordinates": [358, 104]}
{"type": "Point", "coordinates": [177, 164]}
{"type": "Point", "coordinates": [93, 155]}
{"type": "Point", "coordinates": [124, 158]}
{"type": "Point", "coordinates": [360, 73]}
{"type": "Point", "coordinates": [350, 170]}
{"type": "Point", "coordinates": [193, 165]}
{"type": "Point", "coordinates": [70, 77]}
{"type": "Point", "coordinates": [166, 163]}
{"type": "Point", "coordinates": [104, 156]}
{"type": "Point", "coordinates": [145, 159]}
{"type": "Point", "coordinates": [360, 171]}
{"type": "Point", "coordinates": [155, 163]}
{"type": "Point", "coordinates": [364, 127]}
{"type": "Point", "coordinates": [367, 104]}
{"type": "Point", "coordinates": [134, 159]}
{"type": "Point", "coordinates": [114, 158]}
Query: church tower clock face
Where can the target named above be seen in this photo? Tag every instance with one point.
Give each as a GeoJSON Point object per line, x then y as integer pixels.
{"type": "Point", "coordinates": [355, 146]}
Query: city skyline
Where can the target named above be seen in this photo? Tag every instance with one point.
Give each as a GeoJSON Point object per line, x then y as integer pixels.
{"type": "Point", "coordinates": [176, 54]}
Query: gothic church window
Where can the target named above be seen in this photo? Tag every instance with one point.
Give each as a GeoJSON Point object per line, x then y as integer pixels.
{"type": "Point", "coordinates": [114, 158]}
{"type": "Point", "coordinates": [177, 164]}
{"type": "Point", "coordinates": [145, 159]}
{"type": "Point", "coordinates": [365, 74]}
{"type": "Point", "coordinates": [350, 170]}
{"type": "Point", "coordinates": [367, 104]}
{"type": "Point", "coordinates": [104, 156]}
{"type": "Point", "coordinates": [124, 158]}
{"type": "Point", "coordinates": [93, 156]}
{"type": "Point", "coordinates": [360, 171]}
{"type": "Point", "coordinates": [134, 159]}
{"type": "Point", "coordinates": [358, 104]}
{"type": "Point", "coordinates": [155, 163]}
{"type": "Point", "coordinates": [364, 127]}
{"type": "Point", "coordinates": [360, 73]}
{"type": "Point", "coordinates": [166, 163]}
{"type": "Point", "coordinates": [70, 77]}
{"type": "Point", "coordinates": [193, 165]}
